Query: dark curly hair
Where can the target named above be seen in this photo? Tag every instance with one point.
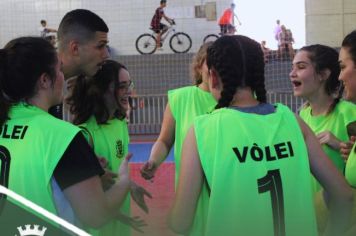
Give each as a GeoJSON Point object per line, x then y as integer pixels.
{"type": "Point", "coordinates": [87, 98]}
{"type": "Point", "coordinates": [238, 61]}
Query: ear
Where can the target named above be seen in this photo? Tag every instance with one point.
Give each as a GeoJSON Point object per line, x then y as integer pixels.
{"type": "Point", "coordinates": [215, 82]}
{"type": "Point", "coordinates": [44, 81]}
{"type": "Point", "coordinates": [74, 47]}
{"type": "Point", "coordinates": [325, 74]}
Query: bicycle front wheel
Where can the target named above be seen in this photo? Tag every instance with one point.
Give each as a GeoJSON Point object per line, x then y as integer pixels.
{"type": "Point", "coordinates": [146, 44]}
{"type": "Point", "coordinates": [180, 42]}
{"type": "Point", "coordinates": [210, 38]}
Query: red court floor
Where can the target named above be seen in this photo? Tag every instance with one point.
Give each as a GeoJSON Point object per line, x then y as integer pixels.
{"type": "Point", "coordinates": [162, 190]}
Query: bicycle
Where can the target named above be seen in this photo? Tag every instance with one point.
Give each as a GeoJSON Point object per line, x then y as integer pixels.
{"type": "Point", "coordinates": [179, 42]}
{"type": "Point", "coordinates": [213, 37]}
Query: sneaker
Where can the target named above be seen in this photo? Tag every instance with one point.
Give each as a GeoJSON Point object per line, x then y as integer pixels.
{"type": "Point", "coordinates": [160, 49]}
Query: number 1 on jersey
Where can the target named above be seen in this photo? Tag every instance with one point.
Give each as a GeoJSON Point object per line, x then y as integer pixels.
{"type": "Point", "coordinates": [272, 182]}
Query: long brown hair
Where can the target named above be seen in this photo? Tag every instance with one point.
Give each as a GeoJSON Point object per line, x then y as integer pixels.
{"type": "Point", "coordinates": [88, 99]}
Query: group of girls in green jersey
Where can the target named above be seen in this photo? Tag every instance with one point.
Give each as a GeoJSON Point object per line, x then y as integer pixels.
{"type": "Point", "coordinates": [50, 153]}
{"type": "Point", "coordinates": [315, 78]}
{"type": "Point", "coordinates": [244, 166]}
{"type": "Point", "coordinates": [255, 157]}
{"type": "Point", "coordinates": [347, 60]}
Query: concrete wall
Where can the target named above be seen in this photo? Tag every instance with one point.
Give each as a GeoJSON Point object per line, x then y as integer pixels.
{"type": "Point", "coordinates": [328, 21]}
{"type": "Point", "coordinates": [127, 19]}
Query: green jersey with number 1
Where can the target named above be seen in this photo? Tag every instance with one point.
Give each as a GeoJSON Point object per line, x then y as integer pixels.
{"type": "Point", "coordinates": [258, 172]}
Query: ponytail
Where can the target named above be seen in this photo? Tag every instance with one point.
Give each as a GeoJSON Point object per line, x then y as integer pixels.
{"type": "Point", "coordinates": [336, 99]}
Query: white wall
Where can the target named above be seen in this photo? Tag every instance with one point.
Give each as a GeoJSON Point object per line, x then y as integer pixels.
{"type": "Point", "coordinates": [328, 21]}
{"type": "Point", "coordinates": [126, 18]}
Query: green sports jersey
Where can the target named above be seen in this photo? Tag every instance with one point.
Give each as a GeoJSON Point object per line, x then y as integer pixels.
{"type": "Point", "coordinates": [187, 103]}
{"type": "Point", "coordinates": [335, 122]}
{"type": "Point", "coordinates": [110, 141]}
{"type": "Point", "coordinates": [35, 146]}
{"type": "Point", "coordinates": [350, 170]}
{"type": "Point", "coordinates": [257, 168]}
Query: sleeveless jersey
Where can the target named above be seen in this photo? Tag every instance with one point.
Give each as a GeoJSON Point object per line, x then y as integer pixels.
{"type": "Point", "coordinates": [350, 170]}
{"type": "Point", "coordinates": [350, 174]}
{"type": "Point", "coordinates": [110, 141]}
{"type": "Point", "coordinates": [335, 122]}
{"type": "Point", "coordinates": [186, 103]}
{"type": "Point", "coordinates": [35, 146]}
{"type": "Point", "coordinates": [258, 171]}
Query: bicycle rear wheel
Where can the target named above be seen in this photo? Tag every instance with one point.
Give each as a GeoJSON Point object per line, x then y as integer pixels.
{"type": "Point", "coordinates": [146, 44]}
{"type": "Point", "coordinates": [180, 42]}
{"type": "Point", "coordinates": [210, 38]}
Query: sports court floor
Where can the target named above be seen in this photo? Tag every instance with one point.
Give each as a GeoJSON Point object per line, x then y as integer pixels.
{"type": "Point", "coordinates": [161, 188]}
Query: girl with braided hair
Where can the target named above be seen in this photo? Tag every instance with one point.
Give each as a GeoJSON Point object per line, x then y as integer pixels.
{"type": "Point", "coordinates": [255, 157]}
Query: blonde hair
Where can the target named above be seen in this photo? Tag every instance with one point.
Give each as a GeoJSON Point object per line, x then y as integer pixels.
{"type": "Point", "coordinates": [198, 61]}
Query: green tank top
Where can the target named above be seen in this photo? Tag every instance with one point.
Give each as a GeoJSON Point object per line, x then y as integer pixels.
{"type": "Point", "coordinates": [32, 138]}
{"type": "Point", "coordinates": [110, 141]}
{"type": "Point", "coordinates": [350, 170]}
{"type": "Point", "coordinates": [258, 171]}
{"type": "Point", "coordinates": [186, 103]}
{"type": "Point", "coordinates": [335, 122]}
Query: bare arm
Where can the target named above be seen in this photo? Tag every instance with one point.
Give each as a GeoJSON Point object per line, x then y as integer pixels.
{"type": "Point", "coordinates": [328, 138]}
{"type": "Point", "coordinates": [238, 20]}
{"type": "Point", "coordinates": [338, 192]}
{"type": "Point", "coordinates": [189, 186]}
{"type": "Point", "coordinates": [92, 205]}
{"type": "Point", "coordinates": [51, 30]}
{"type": "Point", "coordinates": [162, 146]}
{"type": "Point", "coordinates": [167, 18]}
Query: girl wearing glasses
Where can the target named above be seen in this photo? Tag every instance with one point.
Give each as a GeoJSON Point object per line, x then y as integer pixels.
{"type": "Point", "coordinates": [99, 106]}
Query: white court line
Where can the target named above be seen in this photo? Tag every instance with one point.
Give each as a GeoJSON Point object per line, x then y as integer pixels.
{"type": "Point", "coordinates": [43, 212]}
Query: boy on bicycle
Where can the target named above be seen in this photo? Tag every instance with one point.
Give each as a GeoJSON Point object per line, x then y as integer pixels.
{"type": "Point", "coordinates": [226, 21]}
{"type": "Point", "coordinates": [156, 24]}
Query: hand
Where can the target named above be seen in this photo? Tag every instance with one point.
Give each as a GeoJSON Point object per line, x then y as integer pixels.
{"type": "Point", "coordinates": [108, 179]}
{"type": "Point", "coordinates": [345, 147]}
{"type": "Point", "coordinates": [138, 195]}
{"type": "Point", "coordinates": [148, 170]}
{"type": "Point", "coordinates": [135, 222]}
{"type": "Point", "coordinates": [326, 137]}
{"type": "Point", "coordinates": [124, 168]}
{"type": "Point", "coordinates": [103, 162]}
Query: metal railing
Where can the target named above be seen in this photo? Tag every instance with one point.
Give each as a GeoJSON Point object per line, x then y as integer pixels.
{"type": "Point", "coordinates": [147, 113]}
